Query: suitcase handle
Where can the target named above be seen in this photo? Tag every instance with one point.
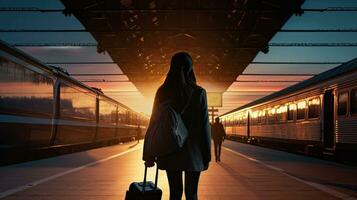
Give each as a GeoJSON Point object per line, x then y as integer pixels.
{"type": "Point", "coordinates": [156, 176]}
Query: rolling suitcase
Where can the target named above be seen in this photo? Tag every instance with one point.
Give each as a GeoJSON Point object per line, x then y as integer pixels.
{"type": "Point", "coordinates": [146, 190]}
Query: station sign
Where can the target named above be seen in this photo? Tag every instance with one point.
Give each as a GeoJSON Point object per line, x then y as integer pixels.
{"type": "Point", "coordinates": [214, 99]}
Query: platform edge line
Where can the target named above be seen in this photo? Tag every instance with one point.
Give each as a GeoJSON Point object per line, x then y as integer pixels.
{"type": "Point", "coordinates": [317, 186]}
{"type": "Point", "coordinates": [12, 191]}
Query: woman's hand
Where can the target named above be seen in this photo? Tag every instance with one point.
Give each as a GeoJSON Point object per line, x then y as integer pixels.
{"type": "Point", "coordinates": [149, 163]}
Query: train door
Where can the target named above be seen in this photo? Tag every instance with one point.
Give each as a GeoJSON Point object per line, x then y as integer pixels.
{"type": "Point", "coordinates": [328, 122]}
{"type": "Point", "coordinates": [248, 125]}
{"type": "Point", "coordinates": [96, 118]}
{"type": "Point", "coordinates": [56, 112]}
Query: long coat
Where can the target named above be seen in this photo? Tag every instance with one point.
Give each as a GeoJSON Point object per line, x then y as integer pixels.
{"type": "Point", "coordinates": [195, 154]}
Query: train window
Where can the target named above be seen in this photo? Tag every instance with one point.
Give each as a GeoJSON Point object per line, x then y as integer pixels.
{"type": "Point", "coordinates": [77, 103]}
{"type": "Point", "coordinates": [134, 119]}
{"type": "Point", "coordinates": [285, 113]}
{"type": "Point", "coordinates": [278, 115]}
{"type": "Point", "coordinates": [291, 110]}
{"type": "Point", "coordinates": [314, 108]}
{"type": "Point", "coordinates": [354, 101]}
{"type": "Point", "coordinates": [262, 117]}
{"type": "Point", "coordinates": [241, 121]}
{"type": "Point", "coordinates": [236, 120]}
{"type": "Point", "coordinates": [23, 91]}
{"type": "Point", "coordinates": [244, 121]}
{"type": "Point", "coordinates": [227, 121]}
{"type": "Point", "coordinates": [254, 118]}
{"type": "Point", "coordinates": [107, 112]}
{"type": "Point", "coordinates": [122, 119]}
{"type": "Point", "coordinates": [128, 117]}
{"type": "Point", "coordinates": [259, 118]}
{"type": "Point", "coordinates": [271, 116]}
{"type": "Point", "coordinates": [231, 120]}
{"type": "Point", "coordinates": [342, 103]}
{"type": "Point", "coordinates": [301, 107]}
{"type": "Point", "coordinates": [281, 112]}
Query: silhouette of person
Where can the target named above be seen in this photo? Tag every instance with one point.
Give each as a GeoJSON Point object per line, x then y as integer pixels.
{"type": "Point", "coordinates": [218, 135]}
{"type": "Point", "coordinates": [185, 95]}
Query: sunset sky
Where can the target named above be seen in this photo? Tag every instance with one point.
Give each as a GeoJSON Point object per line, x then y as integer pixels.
{"type": "Point", "coordinates": [239, 93]}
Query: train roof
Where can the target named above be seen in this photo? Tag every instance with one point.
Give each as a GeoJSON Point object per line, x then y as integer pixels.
{"type": "Point", "coordinates": [52, 69]}
{"type": "Point", "coordinates": [324, 76]}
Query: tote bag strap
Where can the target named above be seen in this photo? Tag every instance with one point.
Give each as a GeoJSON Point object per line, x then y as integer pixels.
{"type": "Point", "coordinates": [189, 101]}
{"type": "Point", "coordinates": [187, 104]}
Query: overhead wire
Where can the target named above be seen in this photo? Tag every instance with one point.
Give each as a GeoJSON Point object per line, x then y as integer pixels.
{"type": "Point", "coordinates": [238, 81]}
{"type": "Point", "coordinates": [69, 11]}
{"type": "Point", "coordinates": [347, 30]}
{"type": "Point", "coordinates": [275, 44]}
{"type": "Point", "coordinates": [252, 62]}
{"type": "Point", "coordinates": [244, 74]}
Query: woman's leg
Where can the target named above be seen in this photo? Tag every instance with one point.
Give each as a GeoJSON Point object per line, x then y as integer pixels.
{"type": "Point", "coordinates": [175, 184]}
{"type": "Point", "coordinates": [191, 185]}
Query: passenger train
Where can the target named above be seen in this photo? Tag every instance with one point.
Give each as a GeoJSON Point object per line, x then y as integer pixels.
{"type": "Point", "coordinates": [42, 106]}
{"type": "Point", "coordinates": [316, 116]}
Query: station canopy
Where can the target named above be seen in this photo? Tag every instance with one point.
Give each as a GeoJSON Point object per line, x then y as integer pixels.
{"type": "Point", "coordinates": [222, 37]}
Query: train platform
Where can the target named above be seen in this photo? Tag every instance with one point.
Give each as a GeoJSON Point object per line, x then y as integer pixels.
{"type": "Point", "coordinates": [246, 172]}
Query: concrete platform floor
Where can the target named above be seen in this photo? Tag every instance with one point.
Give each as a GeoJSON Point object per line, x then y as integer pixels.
{"type": "Point", "coordinates": [246, 172]}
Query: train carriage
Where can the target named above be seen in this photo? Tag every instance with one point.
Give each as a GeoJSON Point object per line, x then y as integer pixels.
{"type": "Point", "coordinates": [42, 106]}
{"type": "Point", "coordinates": [319, 113]}
{"type": "Point", "coordinates": [26, 100]}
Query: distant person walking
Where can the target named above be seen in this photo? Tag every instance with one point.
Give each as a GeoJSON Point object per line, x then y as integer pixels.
{"type": "Point", "coordinates": [218, 135]}
{"type": "Point", "coordinates": [189, 99]}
